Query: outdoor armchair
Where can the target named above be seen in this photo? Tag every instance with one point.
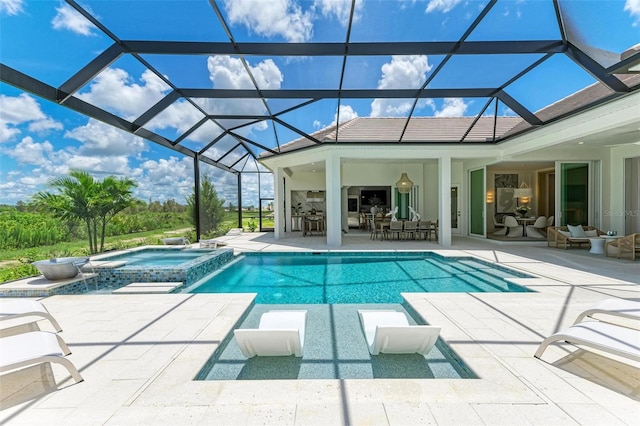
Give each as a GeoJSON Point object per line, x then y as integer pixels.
{"type": "Point", "coordinates": [629, 244]}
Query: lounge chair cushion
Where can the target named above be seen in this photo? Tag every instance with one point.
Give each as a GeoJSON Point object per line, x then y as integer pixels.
{"type": "Point", "coordinates": [280, 333]}
{"type": "Point", "coordinates": [32, 348]}
{"type": "Point", "coordinates": [606, 337]}
{"type": "Point", "coordinates": [613, 307]}
{"type": "Point", "coordinates": [20, 308]}
{"type": "Point", "coordinates": [577, 231]}
{"type": "Point", "coordinates": [389, 332]}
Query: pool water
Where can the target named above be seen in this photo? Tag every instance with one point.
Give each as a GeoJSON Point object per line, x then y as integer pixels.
{"type": "Point", "coordinates": [329, 278]}
{"type": "Point", "coordinates": [164, 257]}
{"type": "Point", "coordinates": [334, 348]}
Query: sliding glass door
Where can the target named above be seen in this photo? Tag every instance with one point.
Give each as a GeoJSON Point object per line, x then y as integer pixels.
{"type": "Point", "coordinates": [575, 193]}
{"type": "Point", "coordinates": [476, 202]}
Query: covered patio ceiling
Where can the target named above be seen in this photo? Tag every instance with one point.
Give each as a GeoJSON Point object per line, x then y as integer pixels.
{"type": "Point", "coordinates": [229, 81]}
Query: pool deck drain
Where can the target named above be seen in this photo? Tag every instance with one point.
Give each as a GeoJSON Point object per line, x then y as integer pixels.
{"type": "Point", "coordinates": [148, 288]}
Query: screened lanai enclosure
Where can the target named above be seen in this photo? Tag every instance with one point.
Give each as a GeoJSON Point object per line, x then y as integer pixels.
{"type": "Point", "coordinates": [228, 84]}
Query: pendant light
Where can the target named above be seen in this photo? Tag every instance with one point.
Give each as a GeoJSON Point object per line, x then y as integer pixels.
{"type": "Point", "coordinates": [404, 185]}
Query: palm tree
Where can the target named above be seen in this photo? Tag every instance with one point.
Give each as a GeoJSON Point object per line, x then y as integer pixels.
{"type": "Point", "coordinates": [82, 198]}
{"type": "Point", "coordinates": [115, 196]}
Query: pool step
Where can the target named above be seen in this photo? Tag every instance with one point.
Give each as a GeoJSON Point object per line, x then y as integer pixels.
{"type": "Point", "coordinates": [148, 288]}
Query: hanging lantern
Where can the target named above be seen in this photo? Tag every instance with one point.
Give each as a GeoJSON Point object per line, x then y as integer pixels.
{"type": "Point", "coordinates": [404, 185]}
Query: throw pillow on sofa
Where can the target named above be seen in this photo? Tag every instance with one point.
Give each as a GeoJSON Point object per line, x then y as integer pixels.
{"type": "Point", "coordinates": [577, 231]}
{"type": "Point", "coordinates": [592, 233]}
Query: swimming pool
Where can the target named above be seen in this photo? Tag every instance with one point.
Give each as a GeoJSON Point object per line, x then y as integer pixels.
{"type": "Point", "coordinates": [373, 277]}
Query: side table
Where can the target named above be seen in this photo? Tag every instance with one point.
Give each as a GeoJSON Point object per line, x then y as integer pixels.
{"type": "Point", "coordinates": [597, 245]}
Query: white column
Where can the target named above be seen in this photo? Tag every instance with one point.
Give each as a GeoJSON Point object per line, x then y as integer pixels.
{"type": "Point", "coordinates": [278, 203]}
{"type": "Point", "coordinates": [334, 204]}
{"type": "Point", "coordinates": [444, 206]}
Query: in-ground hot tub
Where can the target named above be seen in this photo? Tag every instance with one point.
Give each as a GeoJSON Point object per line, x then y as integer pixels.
{"type": "Point", "coordinates": [158, 264]}
{"type": "Point", "coordinates": [60, 268]}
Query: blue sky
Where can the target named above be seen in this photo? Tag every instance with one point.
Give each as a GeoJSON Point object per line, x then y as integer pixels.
{"type": "Point", "coordinates": [50, 41]}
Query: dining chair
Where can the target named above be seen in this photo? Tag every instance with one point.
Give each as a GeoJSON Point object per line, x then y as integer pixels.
{"type": "Point", "coordinates": [515, 229]}
{"type": "Point", "coordinates": [410, 229]}
{"type": "Point", "coordinates": [363, 221]}
{"type": "Point", "coordinates": [434, 228]}
{"type": "Point", "coordinates": [395, 227]}
{"type": "Point", "coordinates": [424, 229]}
{"type": "Point", "coordinates": [501, 228]}
{"type": "Point", "coordinates": [537, 230]}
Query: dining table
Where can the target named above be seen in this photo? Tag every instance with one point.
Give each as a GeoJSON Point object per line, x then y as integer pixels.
{"type": "Point", "coordinates": [525, 221]}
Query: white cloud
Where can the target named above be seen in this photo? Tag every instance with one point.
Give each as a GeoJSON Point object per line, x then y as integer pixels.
{"type": "Point", "coordinates": [164, 179]}
{"type": "Point", "coordinates": [341, 9]}
{"type": "Point", "coordinates": [346, 113]}
{"type": "Point", "coordinates": [100, 140]}
{"type": "Point", "coordinates": [205, 133]}
{"type": "Point", "coordinates": [272, 18]}
{"type": "Point", "coordinates": [41, 126]}
{"type": "Point", "coordinates": [401, 73]}
{"type": "Point", "coordinates": [11, 7]}
{"type": "Point", "coordinates": [452, 107]}
{"type": "Point", "coordinates": [19, 109]}
{"type": "Point", "coordinates": [633, 7]}
{"type": "Point", "coordinates": [443, 6]}
{"type": "Point", "coordinates": [104, 165]}
{"type": "Point", "coordinates": [67, 18]}
{"type": "Point", "coordinates": [180, 115]}
{"type": "Point", "coordinates": [226, 72]}
{"type": "Point", "coordinates": [23, 109]}
{"type": "Point", "coordinates": [49, 163]}
{"type": "Point", "coordinates": [404, 72]}
{"type": "Point", "coordinates": [27, 151]}
{"type": "Point", "coordinates": [7, 133]}
{"type": "Point", "coordinates": [114, 89]}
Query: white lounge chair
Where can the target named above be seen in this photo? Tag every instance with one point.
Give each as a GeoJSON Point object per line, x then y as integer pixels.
{"type": "Point", "coordinates": [20, 308]}
{"type": "Point", "coordinates": [616, 307]}
{"type": "Point", "coordinates": [280, 333]}
{"type": "Point", "coordinates": [32, 348]}
{"type": "Point", "coordinates": [389, 332]}
{"type": "Point", "coordinates": [606, 337]}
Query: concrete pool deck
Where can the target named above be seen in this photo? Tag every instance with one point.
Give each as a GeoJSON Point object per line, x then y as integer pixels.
{"type": "Point", "coordinates": [138, 354]}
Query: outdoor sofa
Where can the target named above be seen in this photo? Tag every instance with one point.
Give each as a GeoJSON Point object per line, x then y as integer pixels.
{"type": "Point", "coordinates": [570, 236]}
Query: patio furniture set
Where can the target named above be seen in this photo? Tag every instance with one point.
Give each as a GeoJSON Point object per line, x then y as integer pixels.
{"type": "Point", "coordinates": [596, 240]}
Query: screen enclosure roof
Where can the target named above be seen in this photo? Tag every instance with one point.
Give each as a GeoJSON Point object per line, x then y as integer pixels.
{"type": "Point", "coordinates": [231, 81]}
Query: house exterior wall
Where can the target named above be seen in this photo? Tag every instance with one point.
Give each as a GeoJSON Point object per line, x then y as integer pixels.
{"type": "Point", "coordinates": [603, 128]}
